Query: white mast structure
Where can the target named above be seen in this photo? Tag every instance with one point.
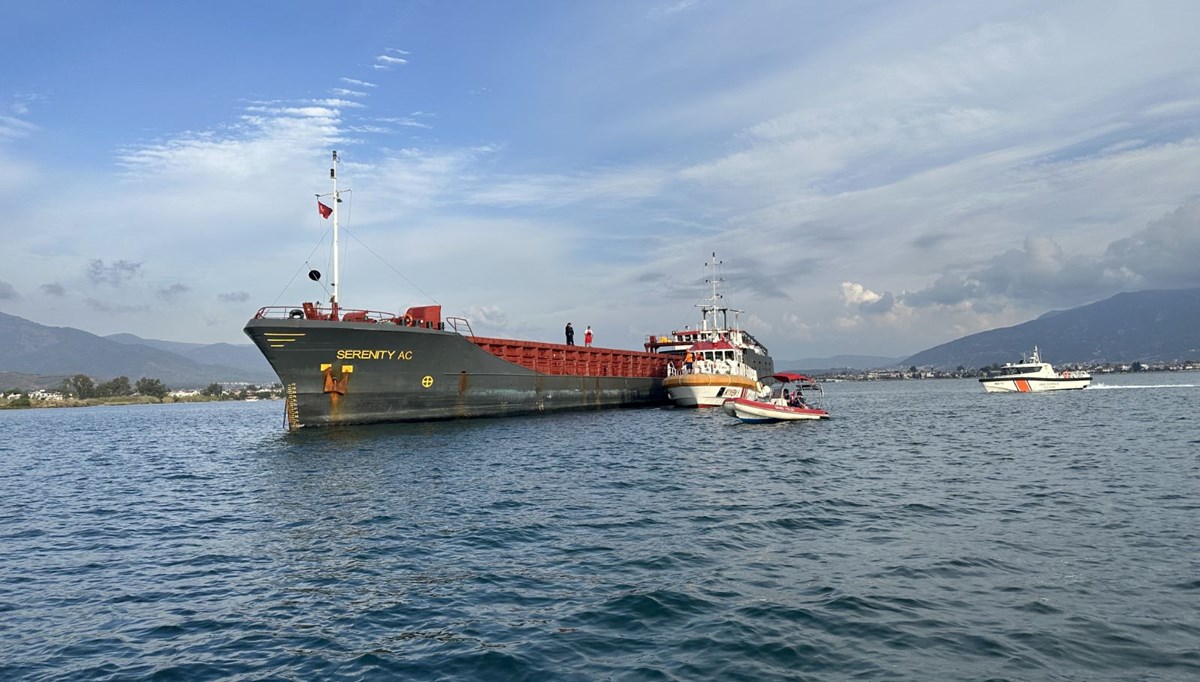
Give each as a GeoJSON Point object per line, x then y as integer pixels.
{"type": "Point", "coordinates": [333, 284]}
{"type": "Point", "coordinates": [333, 279]}
{"type": "Point", "coordinates": [714, 301]}
{"type": "Point", "coordinates": [714, 304]}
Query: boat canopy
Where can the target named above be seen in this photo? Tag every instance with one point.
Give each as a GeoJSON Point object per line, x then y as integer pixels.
{"type": "Point", "coordinates": [788, 377]}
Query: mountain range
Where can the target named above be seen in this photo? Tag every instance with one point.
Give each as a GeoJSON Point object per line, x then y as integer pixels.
{"type": "Point", "coordinates": [1142, 326]}
{"type": "Point", "coordinates": [37, 356]}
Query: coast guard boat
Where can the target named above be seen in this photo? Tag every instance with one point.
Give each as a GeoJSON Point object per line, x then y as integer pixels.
{"type": "Point", "coordinates": [716, 361]}
{"type": "Point", "coordinates": [1031, 375]}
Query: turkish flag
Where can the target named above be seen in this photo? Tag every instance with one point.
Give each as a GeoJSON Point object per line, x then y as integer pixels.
{"type": "Point", "coordinates": [324, 210]}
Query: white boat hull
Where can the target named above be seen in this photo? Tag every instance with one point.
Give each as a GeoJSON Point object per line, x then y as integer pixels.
{"type": "Point", "coordinates": [705, 390]}
{"type": "Point", "coordinates": [1033, 385]}
{"type": "Point", "coordinates": [1031, 375]}
{"type": "Point", "coordinates": [757, 412]}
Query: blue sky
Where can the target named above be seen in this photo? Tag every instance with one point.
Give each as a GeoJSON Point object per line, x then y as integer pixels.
{"type": "Point", "coordinates": [876, 177]}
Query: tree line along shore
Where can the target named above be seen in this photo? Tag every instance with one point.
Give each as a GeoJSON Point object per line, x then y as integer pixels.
{"type": "Point", "coordinates": [81, 391]}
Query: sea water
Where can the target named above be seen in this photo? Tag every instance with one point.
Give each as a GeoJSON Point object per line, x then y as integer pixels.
{"type": "Point", "coordinates": [928, 531]}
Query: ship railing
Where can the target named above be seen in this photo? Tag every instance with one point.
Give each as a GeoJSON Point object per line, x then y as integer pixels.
{"type": "Point", "coordinates": [709, 367]}
{"type": "Point", "coordinates": [459, 324]}
{"type": "Point", "coordinates": [311, 312]}
{"type": "Point", "coordinates": [654, 342]}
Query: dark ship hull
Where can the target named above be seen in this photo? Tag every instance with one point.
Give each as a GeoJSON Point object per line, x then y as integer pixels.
{"type": "Point", "coordinates": [362, 368]}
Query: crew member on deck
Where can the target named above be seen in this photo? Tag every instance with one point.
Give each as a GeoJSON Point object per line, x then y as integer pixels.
{"type": "Point", "coordinates": [587, 336]}
{"type": "Point", "coordinates": [570, 335]}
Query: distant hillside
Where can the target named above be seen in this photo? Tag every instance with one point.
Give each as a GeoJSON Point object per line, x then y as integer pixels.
{"type": "Point", "coordinates": [243, 356]}
{"type": "Point", "coordinates": [33, 349]}
{"type": "Point", "coordinates": [29, 382]}
{"type": "Point", "coordinates": [839, 362]}
{"type": "Point", "coordinates": [1142, 326]}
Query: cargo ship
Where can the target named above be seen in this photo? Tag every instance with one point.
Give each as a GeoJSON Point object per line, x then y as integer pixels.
{"type": "Point", "coordinates": [355, 366]}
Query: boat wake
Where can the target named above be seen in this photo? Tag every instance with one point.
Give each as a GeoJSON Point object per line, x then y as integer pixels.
{"type": "Point", "coordinates": [1110, 387]}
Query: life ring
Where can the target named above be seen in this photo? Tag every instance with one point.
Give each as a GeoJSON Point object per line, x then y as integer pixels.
{"type": "Point", "coordinates": [1066, 374]}
{"type": "Point", "coordinates": [408, 321]}
{"type": "Point", "coordinates": [295, 313]}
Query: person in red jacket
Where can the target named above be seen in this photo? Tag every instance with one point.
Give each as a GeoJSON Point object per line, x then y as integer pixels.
{"type": "Point", "coordinates": [587, 336]}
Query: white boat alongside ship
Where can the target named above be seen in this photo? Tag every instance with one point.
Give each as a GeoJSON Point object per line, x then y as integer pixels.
{"type": "Point", "coordinates": [717, 361]}
{"type": "Point", "coordinates": [1031, 375]}
{"type": "Point", "coordinates": [716, 372]}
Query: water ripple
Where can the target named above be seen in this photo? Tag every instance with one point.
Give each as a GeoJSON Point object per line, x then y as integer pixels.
{"type": "Point", "coordinates": [930, 531]}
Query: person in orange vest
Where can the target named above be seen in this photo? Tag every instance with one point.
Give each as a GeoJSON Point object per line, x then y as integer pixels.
{"type": "Point", "coordinates": [687, 361]}
{"type": "Point", "coordinates": [587, 336]}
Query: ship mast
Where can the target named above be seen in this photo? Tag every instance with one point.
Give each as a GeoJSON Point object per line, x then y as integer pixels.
{"type": "Point", "coordinates": [713, 306]}
{"type": "Point", "coordinates": [333, 282]}
{"type": "Point", "coordinates": [720, 314]}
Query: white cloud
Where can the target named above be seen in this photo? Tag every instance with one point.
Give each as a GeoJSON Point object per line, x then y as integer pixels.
{"type": "Point", "coordinates": [1042, 272]}
{"type": "Point", "coordinates": [114, 307]}
{"type": "Point", "coordinates": [12, 127]}
{"type": "Point", "coordinates": [878, 180]}
{"type": "Point", "coordinates": [173, 292]}
{"type": "Point", "coordinates": [487, 317]}
{"type": "Point", "coordinates": [387, 61]}
{"type": "Point", "coordinates": [14, 123]}
{"type": "Point", "coordinates": [854, 294]}
{"type": "Point", "coordinates": [561, 190]}
{"type": "Point", "coordinates": [407, 122]}
{"type": "Point", "coordinates": [115, 275]}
